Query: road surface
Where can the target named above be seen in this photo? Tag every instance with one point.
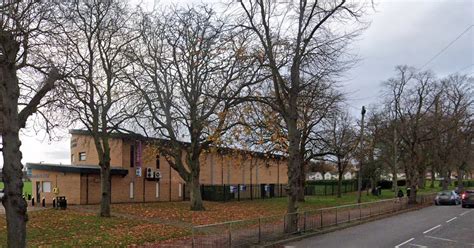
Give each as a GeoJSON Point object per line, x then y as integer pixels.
{"type": "Point", "coordinates": [435, 226]}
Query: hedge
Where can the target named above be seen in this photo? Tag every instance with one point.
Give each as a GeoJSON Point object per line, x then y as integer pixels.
{"type": "Point", "coordinates": [466, 183]}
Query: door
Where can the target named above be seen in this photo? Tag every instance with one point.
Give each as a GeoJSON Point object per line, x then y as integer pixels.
{"type": "Point", "coordinates": [38, 190]}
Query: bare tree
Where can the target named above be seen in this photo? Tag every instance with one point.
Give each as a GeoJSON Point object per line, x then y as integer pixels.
{"type": "Point", "coordinates": [295, 39]}
{"type": "Point", "coordinates": [341, 141]}
{"type": "Point", "coordinates": [191, 69]}
{"type": "Point", "coordinates": [383, 129]}
{"type": "Point", "coordinates": [95, 35]}
{"type": "Point", "coordinates": [452, 116]}
{"type": "Point", "coordinates": [24, 32]}
{"type": "Point", "coordinates": [412, 100]}
{"type": "Point", "coordinates": [266, 130]}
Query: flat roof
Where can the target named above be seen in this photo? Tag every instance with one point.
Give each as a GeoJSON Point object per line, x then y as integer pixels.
{"type": "Point", "coordinates": [85, 169]}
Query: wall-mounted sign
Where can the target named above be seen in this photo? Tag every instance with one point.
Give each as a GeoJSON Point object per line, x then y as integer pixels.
{"type": "Point", "coordinates": [138, 172]}
{"type": "Point", "coordinates": [39, 176]}
{"type": "Point", "coordinates": [139, 154]}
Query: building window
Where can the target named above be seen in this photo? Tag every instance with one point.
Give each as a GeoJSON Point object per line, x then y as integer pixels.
{"type": "Point", "coordinates": [47, 187]}
{"type": "Point", "coordinates": [82, 156]}
{"type": "Point", "coordinates": [131, 190]}
{"type": "Point", "coordinates": [158, 161]}
{"type": "Point", "coordinates": [132, 156]}
{"type": "Point", "coordinates": [157, 190]}
{"type": "Point", "coordinates": [180, 190]}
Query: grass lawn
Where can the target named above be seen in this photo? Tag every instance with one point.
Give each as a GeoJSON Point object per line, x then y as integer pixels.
{"type": "Point", "coordinates": [78, 228]}
{"type": "Point", "coordinates": [26, 187]}
{"type": "Point", "coordinates": [72, 228]}
{"type": "Point", "coordinates": [229, 211]}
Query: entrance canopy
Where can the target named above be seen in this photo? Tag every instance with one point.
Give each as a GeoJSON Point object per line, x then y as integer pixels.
{"type": "Point", "coordinates": [84, 169]}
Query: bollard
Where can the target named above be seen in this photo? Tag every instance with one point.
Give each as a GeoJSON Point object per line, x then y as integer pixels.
{"type": "Point", "coordinates": [43, 202]}
{"type": "Point", "coordinates": [33, 201]}
{"type": "Point", "coordinates": [54, 203]}
{"type": "Point", "coordinates": [304, 223]}
{"type": "Point", "coordinates": [321, 218]}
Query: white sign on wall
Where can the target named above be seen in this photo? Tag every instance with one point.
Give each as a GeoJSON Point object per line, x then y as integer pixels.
{"type": "Point", "coordinates": [138, 172]}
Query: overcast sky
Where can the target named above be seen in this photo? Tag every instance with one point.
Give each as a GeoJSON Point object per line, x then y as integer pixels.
{"type": "Point", "coordinates": [401, 32]}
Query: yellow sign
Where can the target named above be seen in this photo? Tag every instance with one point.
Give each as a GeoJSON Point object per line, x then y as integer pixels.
{"type": "Point", "coordinates": [56, 191]}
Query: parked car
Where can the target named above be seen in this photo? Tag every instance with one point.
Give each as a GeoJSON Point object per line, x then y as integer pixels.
{"type": "Point", "coordinates": [467, 198]}
{"type": "Point", "coordinates": [1, 194]}
{"type": "Point", "coordinates": [447, 197]}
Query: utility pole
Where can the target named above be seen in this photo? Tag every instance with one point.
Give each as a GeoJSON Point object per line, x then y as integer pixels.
{"type": "Point", "coordinates": [359, 179]}
{"type": "Point", "coordinates": [395, 158]}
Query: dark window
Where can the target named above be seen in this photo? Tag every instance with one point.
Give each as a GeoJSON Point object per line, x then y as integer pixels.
{"type": "Point", "coordinates": [82, 156]}
{"type": "Point", "coordinates": [132, 156]}
{"type": "Point", "coordinates": [158, 161]}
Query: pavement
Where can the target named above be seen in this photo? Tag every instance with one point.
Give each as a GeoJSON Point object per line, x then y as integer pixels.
{"type": "Point", "coordinates": [435, 226]}
{"type": "Point", "coordinates": [29, 209]}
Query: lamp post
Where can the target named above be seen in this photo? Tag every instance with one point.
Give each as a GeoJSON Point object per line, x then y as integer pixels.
{"type": "Point", "coordinates": [359, 179]}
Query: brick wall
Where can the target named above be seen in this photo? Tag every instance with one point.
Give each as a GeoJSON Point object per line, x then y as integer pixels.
{"type": "Point", "coordinates": [216, 169]}
{"type": "Point", "coordinates": [69, 185]}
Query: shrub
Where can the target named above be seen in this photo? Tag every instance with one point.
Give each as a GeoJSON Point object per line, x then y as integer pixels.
{"type": "Point", "coordinates": [466, 183]}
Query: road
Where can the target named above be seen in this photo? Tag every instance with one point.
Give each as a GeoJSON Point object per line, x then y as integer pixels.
{"type": "Point", "coordinates": [435, 226]}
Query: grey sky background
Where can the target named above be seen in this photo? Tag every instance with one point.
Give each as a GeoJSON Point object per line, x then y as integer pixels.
{"type": "Point", "coordinates": [401, 32]}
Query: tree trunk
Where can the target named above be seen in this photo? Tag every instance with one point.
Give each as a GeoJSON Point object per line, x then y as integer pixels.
{"type": "Point", "coordinates": [15, 205]}
{"type": "Point", "coordinates": [195, 193]}
{"type": "Point", "coordinates": [412, 182]}
{"type": "Point", "coordinates": [433, 178]}
{"type": "Point", "coordinates": [422, 181]}
{"type": "Point", "coordinates": [106, 189]}
{"type": "Point", "coordinates": [413, 192]}
{"type": "Point", "coordinates": [294, 171]}
{"type": "Point", "coordinates": [460, 182]}
{"type": "Point", "coordinates": [445, 182]}
{"type": "Point", "coordinates": [302, 182]}
{"type": "Point", "coordinates": [395, 182]}
{"type": "Point", "coordinates": [339, 184]}
{"type": "Point", "coordinates": [450, 173]}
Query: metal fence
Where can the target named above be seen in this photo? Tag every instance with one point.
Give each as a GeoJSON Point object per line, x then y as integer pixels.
{"type": "Point", "coordinates": [237, 192]}
{"type": "Point", "coordinates": [244, 233]}
{"type": "Point", "coordinates": [330, 188]}
{"type": "Point", "coordinates": [242, 192]}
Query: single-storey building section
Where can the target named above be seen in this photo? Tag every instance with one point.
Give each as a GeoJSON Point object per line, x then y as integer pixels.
{"type": "Point", "coordinates": [141, 173]}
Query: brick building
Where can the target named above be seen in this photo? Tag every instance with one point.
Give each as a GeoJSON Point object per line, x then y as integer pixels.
{"type": "Point", "coordinates": [136, 163]}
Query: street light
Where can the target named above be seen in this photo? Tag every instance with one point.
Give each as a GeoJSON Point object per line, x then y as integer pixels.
{"type": "Point", "coordinates": [359, 179]}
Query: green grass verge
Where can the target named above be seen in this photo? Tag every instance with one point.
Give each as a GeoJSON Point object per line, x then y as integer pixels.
{"type": "Point", "coordinates": [26, 187]}
{"type": "Point", "coordinates": [315, 202]}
